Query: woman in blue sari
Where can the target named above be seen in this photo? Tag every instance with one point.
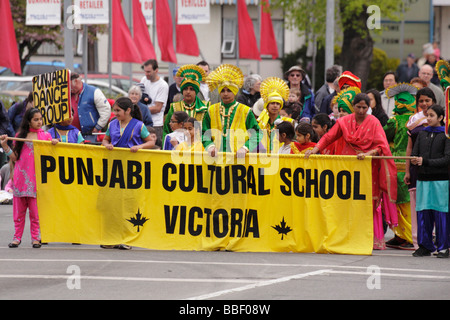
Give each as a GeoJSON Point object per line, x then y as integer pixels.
{"type": "Point", "coordinates": [127, 129]}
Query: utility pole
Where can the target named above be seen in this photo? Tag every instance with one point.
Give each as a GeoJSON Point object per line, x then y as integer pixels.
{"type": "Point", "coordinates": [329, 36]}
{"type": "Point", "coordinates": [68, 36]}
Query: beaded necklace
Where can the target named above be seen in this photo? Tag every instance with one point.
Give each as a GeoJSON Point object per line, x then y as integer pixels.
{"type": "Point", "coordinates": [226, 115]}
{"type": "Point", "coordinates": [188, 108]}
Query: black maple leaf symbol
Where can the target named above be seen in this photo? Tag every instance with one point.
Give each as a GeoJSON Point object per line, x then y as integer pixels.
{"type": "Point", "coordinates": [282, 229]}
{"type": "Point", "coordinates": [138, 221]}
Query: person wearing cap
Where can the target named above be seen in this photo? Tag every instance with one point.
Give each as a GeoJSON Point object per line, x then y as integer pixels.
{"type": "Point", "coordinates": [295, 76]}
{"type": "Point", "coordinates": [191, 75]}
{"type": "Point", "coordinates": [408, 69]}
{"type": "Point", "coordinates": [229, 126]}
{"type": "Point", "coordinates": [397, 136]}
{"type": "Point", "coordinates": [274, 92]}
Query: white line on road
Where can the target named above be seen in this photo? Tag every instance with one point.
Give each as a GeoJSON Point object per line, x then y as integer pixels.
{"type": "Point", "coordinates": [65, 277]}
{"type": "Point", "coordinates": [252, 264]}
{"type": "Point", "coordinates": [258, 285]}
{"type": "Point", "coordinates": [395, 275]}
{"type": "Point", "coordinates": [308, 274]}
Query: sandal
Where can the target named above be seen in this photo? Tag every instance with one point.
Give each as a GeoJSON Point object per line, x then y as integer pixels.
{"type": "Point", "coordinates": [36, 244]}
{"type": "Point", "coordinates": [14, 244]}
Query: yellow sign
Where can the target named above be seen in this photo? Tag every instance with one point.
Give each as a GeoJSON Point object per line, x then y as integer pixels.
{"type": "Point", "coordinates": [170, 201]}
{"type": "Point", "coordinates": [51, 95]}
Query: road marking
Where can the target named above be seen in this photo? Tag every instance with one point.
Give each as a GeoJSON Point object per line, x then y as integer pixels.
{"type": "Point", "coordinates": [396, 275]}
{"type": "Point", "coordinates": [245, 264]}
{"type": "Point", "coordinates": [259, 284]}
{"type": "Point", "coordinates": [308, 274]}
{"type": "Point", "coordinates": [110, 278]}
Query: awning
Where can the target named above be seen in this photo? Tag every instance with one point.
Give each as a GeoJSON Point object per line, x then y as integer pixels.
{"type": "Point", "coordinates": [443, 3]}
{"type": "Point", "coordinates": [233, 2]}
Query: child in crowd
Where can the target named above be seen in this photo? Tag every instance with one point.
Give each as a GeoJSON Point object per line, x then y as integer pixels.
{"type": "Point", "coordinates": [286, 112]}
{"type": "Point", "coordinates": [24, 176]}
{"type": "Point", "coordinates": [127, 130]}
{"type": "Point", "coordinates": [335, 114]}
{"type": "Point", "coordinates": [321, 124]}
{"type": "Point", "coordinates": [306, 138]}
{"type": "Point", "coordinates": [177, 135]}
{"type": "Point", "coordinates": [193, 139]}
{"type": "Point", "coordinates": [153, 135]}
{"type": "Point", "coordinates": [294, 102]}
{"type": "Point", "coordinates": [431, 153]}
{"type": "Point", "coordinates": [65, 132]}
{"type": "Point", "coordinates": [286, 133]}
{"type": "Point", "coordinates": [425, 98]}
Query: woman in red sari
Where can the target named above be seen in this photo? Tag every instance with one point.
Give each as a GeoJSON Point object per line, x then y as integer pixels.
{"type": "Point", "coordinates": [364, 136]}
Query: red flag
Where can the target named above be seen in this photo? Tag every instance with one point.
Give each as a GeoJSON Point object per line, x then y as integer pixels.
{"type": "Point", "coordinates": [123, 47]}
{"type": "Point", "coordinates": [141, 35]}
{"type": "Point", "coordinates": [248, 47]}
{"type": "Point", "coordinates": [187, 40]}
{"type": "Point", "coordinates": [165, 31]}
{"type": "Point", "coordinates": [9, 54]}
{"type": "Point", "coordinates": [268, 43]}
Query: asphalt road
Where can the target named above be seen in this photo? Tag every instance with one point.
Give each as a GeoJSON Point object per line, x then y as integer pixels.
{"type": "Point", "coordinates": [66, 271]}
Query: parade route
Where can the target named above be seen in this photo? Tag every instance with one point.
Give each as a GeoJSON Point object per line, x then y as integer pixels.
{"type": "Point", "coordinates": [66, 271]}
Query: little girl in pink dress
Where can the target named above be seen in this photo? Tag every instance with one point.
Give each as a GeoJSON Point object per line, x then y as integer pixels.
{"type": "Point", "coordinates": [24, 176]}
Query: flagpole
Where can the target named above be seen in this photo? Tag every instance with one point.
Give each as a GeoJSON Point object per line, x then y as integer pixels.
{"type": "Point", "coordinates": [154, 23]}
{"type": "Point", "coordinates": [237, 33]}
{"type": "Point", "coordinates": [85, 52]}
{"type": "Point", "coordinates": [127, 7]}
{"type": "Point", "coordinates": [258, 36]}
{"type": "Point", "coordinates": [110, 46]}
{"type": "Point", "coordinates": [329, 36]}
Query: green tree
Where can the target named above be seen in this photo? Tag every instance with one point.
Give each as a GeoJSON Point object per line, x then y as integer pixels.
{"type": "Point", "coordinates": [30, 38]}
{"type": "Point", "coordinates": [309, 17]}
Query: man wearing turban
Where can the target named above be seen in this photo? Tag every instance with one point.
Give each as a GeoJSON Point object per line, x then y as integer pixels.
{"type": "Point", "coordinates": [229, 126]}
{"type": "Point", "coordinates": [192, 75]}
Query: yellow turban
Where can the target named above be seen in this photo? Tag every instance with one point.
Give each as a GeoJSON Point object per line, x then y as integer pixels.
{"type": "Point", "coordinates": [274, 89]}
{"type": "Point", "coordinates": [226, 76]}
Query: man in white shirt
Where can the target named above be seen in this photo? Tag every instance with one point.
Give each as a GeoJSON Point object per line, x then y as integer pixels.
{"type": "Point", "coordinates": [158, 91]}
{"type": "Point", "coordinates": [204, 89]}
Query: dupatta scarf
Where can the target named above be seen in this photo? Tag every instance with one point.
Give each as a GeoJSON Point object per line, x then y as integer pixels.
{"type": "Point", "coordinates": [367, 136]}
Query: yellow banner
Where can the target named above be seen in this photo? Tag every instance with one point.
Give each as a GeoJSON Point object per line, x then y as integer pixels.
{"type": "Point", "coordinates": [170, 201]}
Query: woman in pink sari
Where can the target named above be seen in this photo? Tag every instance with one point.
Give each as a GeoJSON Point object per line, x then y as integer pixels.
{"type": "Point", "coordinates": [364, 136]}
